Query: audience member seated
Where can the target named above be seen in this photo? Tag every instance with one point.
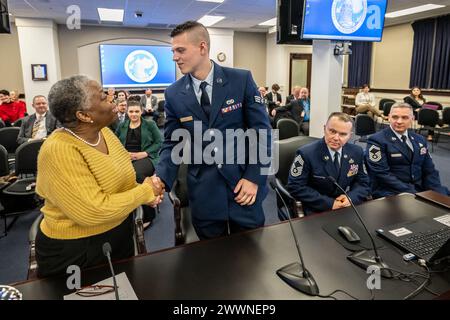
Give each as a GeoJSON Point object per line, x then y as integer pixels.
{"type": "Point", "coordinates": [398, 160]}
{"type": "Point", "coordinates": [365, 103]}
{"type": "Point", "coordinates": [299, 110]}
{"type": "Point", "coordinates": [274, 98]}
{"type": "Point", "coordinates": [22, 105]}
{"type": "Point", "coordinates": [295, 94]}
{"type": "Point", "coordinates": [111, 95]}
{"type": "Point", "coordinates": [149, 104]}
{"type": "Point", "coordinates": [143, 140]}
{"type": "Point", "coordinates": [416, 100]}
{"type": "Point", "coordinates": [330, 156]}
{"type": "Point", "coordinates": [122, 95]}
{"type": "Point", "coordinates": [121, 115]}
{"type": "Point", "coordinates": [87, 181]}
{"type": "Point", "coordinates": [10, 111]}
{"type": "Point", "coordinates": [39, 125]}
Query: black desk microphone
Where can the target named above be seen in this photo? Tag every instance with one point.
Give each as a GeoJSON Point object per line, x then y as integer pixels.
{"type": "Point", "coordinates": [107, 252]}
{"type": "Point", "coordinates": [362, 258]}
{"type": "Point", "coordinates": [295, 274]}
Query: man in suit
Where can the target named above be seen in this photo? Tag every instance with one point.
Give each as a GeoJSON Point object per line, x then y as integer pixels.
{"type": "Point", "coordinates": [149, 105]}
{"type": "Point", "coordinates": [274, 98]}
{"type": "Point", "coordinates": [295, 94]}
{"type": "Point", "coordinates": [398, 160]}
{"type": "Point", "coordinates": [308, 180]}
{"type": "Point", "coordinates": [122, 115]}
{"type": "Point", "coordinates": [38, 125]}
{"type": "Point", "coordinates": [224, 196]}
{"type": "Point", "coordinates": [299, 110]}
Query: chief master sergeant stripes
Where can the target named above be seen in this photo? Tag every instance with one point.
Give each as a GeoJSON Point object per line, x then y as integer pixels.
{"type": "Point", "coordinates": [398, 160]}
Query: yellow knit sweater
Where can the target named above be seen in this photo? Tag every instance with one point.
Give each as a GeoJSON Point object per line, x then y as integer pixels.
{"type": "Point", "coordinates": [86, 192]}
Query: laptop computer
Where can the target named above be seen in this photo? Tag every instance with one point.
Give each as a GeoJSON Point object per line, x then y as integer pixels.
{"type": "Point", "coordinates": [426, 238]}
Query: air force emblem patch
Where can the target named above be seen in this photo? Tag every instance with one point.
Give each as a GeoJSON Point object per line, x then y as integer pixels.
{"type": "Point", "coordinates": [374, 153]}
{"type": "Point", "coordinates": [297, 166]}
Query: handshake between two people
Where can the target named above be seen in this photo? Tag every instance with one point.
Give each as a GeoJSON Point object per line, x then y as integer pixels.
{"type": "Point", "coordinates": [158, 190]}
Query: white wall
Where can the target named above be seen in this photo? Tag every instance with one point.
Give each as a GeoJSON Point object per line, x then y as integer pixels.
{"type": "Point", "coordinates": [38, 45]}
{"type": "Point", "coordinates": [10, 63]}
{"type": "Point", "coordinates": [277, 62]}
{"type": "Point", "coordinates": [222, 41]}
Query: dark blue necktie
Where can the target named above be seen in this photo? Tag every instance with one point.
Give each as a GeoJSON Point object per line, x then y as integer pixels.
{"type": "Point", "coordinates": [410, 153]}
{"type": "Point", "coordinates": [204, 100]}
{"type": "Point", "coordinates": [336, 163]}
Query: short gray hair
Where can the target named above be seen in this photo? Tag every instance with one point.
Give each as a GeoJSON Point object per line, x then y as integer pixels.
{"type": "Point", "coordinates": [67, 96]}
{"type": "Point", "coordinates": [399, 105]}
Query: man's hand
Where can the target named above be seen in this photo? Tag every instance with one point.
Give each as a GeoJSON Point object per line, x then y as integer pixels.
{"type": "Point", "coordinates": [247, 192]}
{"type": "Point", "coordinates": [156, 184]}
{"type": "Point", "coordinates": [344, 200]}
{"type": "Point", "coordinates": [274, 112]}
{"type": "Point", "coordinates": [337, 205]}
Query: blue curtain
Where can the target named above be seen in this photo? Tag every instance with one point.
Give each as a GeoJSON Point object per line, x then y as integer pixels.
{"type": "Point", "coordinates": [441, 67]}
{"type": "Point", "coordinates": [422, 52]}
{"type": "Point", "coordinates": [359, 64]}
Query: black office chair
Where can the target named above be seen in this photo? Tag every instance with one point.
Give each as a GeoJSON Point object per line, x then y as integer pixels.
{"type": "Point", "coordinates": [382, 101]}
{"type": "Point", "coordinates": [20, 196]}
{"type": "Point", "coordinates": [288, 128]}
{"type": "Point", "coordinates": [286, 154]}
{"type": "Point", "coordinates": [161, 118]}
{"type": "Point", "coordinates": [434, 103]}
{"type": "Point", "coordinates": [364, 126]}
{"type": "Point", "coordinates": [387, 107]}
{"type": "Point", "coordinates": [8, 139]}
{"type": "Point", "coordinates": [4, 167]}
{"type": "Point", "coordinates": [184, 230]}
{"type": "Point", "coordinates": [18, 123]}
{"type": "Point", "coordinates": [138, 240]}
{"type": "Point", "coordinates": [428, 119]}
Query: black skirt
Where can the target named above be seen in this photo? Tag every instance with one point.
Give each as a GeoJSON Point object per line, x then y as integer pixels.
{"type": "Point", "coordinates": [54, 255]}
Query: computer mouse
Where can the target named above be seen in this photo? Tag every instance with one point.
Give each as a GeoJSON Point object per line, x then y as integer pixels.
{"type": "Point", "coordinates": [349, 234]}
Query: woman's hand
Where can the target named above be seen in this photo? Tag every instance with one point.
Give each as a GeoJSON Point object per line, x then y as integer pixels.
{"type": "Point", "coordinates": [156, 202]}
{"type": "Point", "coordinates": [138, 155]}
{"type": "Point", "coordinates": [156, 184]}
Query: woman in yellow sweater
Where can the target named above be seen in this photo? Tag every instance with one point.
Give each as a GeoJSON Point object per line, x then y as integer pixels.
{"type": "Point", "coordinates": [88, 182]}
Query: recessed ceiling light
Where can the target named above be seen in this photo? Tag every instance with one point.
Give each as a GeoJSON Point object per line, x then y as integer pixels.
{"type": "Point", "coordinates": [272, 22]}
{"type": "Point", "coordinates": [110, 14]}
{"type": "Point", "coordinates": [208, 21]}
{"type": "Point", "coordinates": [405, 12]}
{"type": "Point", "coordinates": [215, 1]}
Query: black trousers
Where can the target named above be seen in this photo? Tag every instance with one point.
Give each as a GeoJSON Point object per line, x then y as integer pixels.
{"type": "Point", "coordinates": [144, 168]}
{"type": "Point", "coordinates": [54, 255]}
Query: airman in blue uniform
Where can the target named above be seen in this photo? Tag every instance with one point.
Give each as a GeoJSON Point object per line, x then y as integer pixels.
{"type": "Point", "coordinates": [399, 160]}
{"type": "Point", "coordinates": [308, 179]}
{"type": "Point", "coordinates": [211, 99]}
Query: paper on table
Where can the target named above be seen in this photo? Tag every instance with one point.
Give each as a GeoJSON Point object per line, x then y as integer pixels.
{"type": "Point", "coordinates": [125, 289]}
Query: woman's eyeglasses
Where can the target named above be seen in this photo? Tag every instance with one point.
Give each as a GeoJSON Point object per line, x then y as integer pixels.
{"type": "Point", "coordinates": [96, 290]}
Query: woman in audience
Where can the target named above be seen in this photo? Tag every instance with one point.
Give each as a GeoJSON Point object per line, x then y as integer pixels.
{"type": "Point", "coordinates": [111, 95]}
{"type": "Point", "coordinates": [365, 103]}
{"type": "Point", "coordinates": [416, 101]}
{"type": "Point", "coordinates": [121, 96]}
{"type": "Point", "coordinates": [142, 139]}
{"type": "Point", "coordinates": [87, 181]}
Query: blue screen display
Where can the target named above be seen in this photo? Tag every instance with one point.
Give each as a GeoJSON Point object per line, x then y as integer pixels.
{"type": "Point", "coordinates": [131, 66]}
{"type": "Point", "coordinates": [360, 20]}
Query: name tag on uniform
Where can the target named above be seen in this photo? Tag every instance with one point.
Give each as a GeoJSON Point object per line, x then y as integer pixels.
{"type": "Point", "coordinates": [396, 155]}
{"type": "Point", "coordinates": [186, 119]}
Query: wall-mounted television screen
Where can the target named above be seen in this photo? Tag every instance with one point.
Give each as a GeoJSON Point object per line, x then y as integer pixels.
{"type": "Point", "coordinates": [136, 66]}
{"type": "Point", "coordinates": [353, 20]}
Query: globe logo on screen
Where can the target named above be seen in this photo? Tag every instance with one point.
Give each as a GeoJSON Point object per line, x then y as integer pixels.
{"type": "Point", "coordinates": [141, 66]}
{"type": "Point", "coordinates": [348, 15]}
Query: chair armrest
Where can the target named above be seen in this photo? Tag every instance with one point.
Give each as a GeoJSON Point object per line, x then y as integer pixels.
{"type": "Point", "coordinates": [32, 263]}
{"type": "Point", "coordinates": [139, 236]}
{"type": "Point", "coordinates": [180, 237]}
{"type": "Point", "coordinates": [295, 206]}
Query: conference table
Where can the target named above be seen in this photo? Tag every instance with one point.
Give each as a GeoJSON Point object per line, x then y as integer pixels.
{"type": "Point", "coordinates": [243, 266]}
